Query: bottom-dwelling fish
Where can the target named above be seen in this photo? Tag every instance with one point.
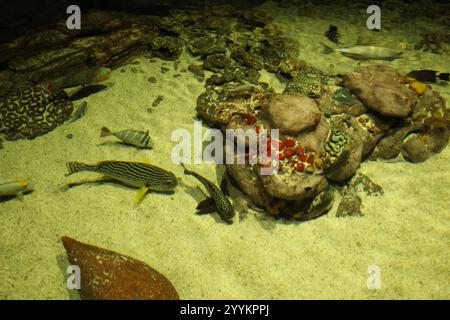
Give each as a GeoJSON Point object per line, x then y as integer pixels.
{"type": "Point", "coordinates": [218, 201]}
{"type": "Point", "coordinates": [15, 188]}
{"type": "Point", "coordinates": [135, 138]}
{"type": "Point", "coordinates": [135, 174]}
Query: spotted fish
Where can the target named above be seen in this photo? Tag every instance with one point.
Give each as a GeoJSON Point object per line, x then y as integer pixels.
{"type": "Point", "coordinates": [135, 174]}
{"type": "Point", "coordinates": [218, 201]}
{"type": "Point", "coordinates": [138, 139]}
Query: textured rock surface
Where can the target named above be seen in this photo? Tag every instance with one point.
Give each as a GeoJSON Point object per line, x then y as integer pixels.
{"type": "Point", "coordinates": [108, 275]}
{"type": "Point", "coordinates": [380, 88]}
{"type": "Point", "coordinates": [292, 114]}
{"type": "Point", "coordinates": [418, 147]}
{"type": "Point", "coordinates": [294, 186]}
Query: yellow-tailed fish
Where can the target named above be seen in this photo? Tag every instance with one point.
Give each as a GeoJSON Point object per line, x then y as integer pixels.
{"type": "Point", "coordinates": [134, 174]}
{"type": "Point", "coordinates": [15, 188]}
{"type": "Point", "coordinates": [138, 139]}
{"type": "Point", "coordinates": [218, 201]}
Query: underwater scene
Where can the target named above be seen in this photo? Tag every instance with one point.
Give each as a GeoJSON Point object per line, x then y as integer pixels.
{"type": "Point", "coordinates": [203, 150]}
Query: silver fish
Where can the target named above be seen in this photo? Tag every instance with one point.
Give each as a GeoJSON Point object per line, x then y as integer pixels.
{"type": "Point", "coordinates": [78, 113]}
{"type": "Point", "coordinates": [138, 139]}
{"type": "Point", "coordinates": [367, 52]}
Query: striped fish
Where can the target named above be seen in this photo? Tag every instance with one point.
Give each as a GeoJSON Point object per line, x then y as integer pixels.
{"type": "Point", "coordinates": [218, 201]}
{"type": "Point", "coordinates": [138, 139]}
{"type": "Point", "coordinates": [135, 174]}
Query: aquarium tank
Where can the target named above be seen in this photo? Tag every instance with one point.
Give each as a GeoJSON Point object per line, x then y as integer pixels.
{"type": "Point", "coordinates": [224, 150]}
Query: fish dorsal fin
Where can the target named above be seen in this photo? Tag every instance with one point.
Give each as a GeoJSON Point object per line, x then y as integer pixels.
{"type": "Point", "coordinates": [19, 195]}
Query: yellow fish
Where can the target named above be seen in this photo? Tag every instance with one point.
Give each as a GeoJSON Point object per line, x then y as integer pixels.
{"type": "Point", "coordinates": [15, 188]}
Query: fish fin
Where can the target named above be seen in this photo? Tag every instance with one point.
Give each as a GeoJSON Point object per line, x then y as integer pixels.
{"type": "Point", "coordinates": [444, 76]}
{"type": "Point", "coordinates": [104, 132]}
{"type": "Point", "coordinates": [19, 195]}
{"type": "Point", "coordinates": [327, 49]}
{"type": "Point", "coordinates": [224, 186]}
{"type": "Point", "coordinates": [146, 161]}
{"type": "Point", "coordinates": [186, 171]}
{"type": "Point", "coordinates": [206, 206]}
{"type": "Point", "coordinates": [141, 194]}
{"type": "Point", "coordinates": [205, 203]}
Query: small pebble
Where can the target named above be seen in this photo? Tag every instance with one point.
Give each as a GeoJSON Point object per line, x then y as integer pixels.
{"type": "Point", "coordinates": [133, 69]}
{"type": "Point", "coordinates": [122, 70]}
{"type": "Point", "coordinates": [164, 69]}
{"type": "Point", "coordinates": [157, 101]}
{"type": "Point", "coordinates": [176, 64]}
{"type": "Point", "coordinates": [177, 75]}
{"type": "Point", "coordinates": [152, 79]}
{"type": "Point", "coordinates": [69, 136]}
{"type": "Point", "coordinates": [152, 60]}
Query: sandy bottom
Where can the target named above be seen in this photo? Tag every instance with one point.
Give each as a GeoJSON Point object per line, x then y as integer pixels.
{"type": "Point", "coordinates": [405, 232]}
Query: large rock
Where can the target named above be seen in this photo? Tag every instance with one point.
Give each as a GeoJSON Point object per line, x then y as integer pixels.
{"type": "Point", "coordinates": [418, 147]}
{"type": "Point", "coordinates": [292, 114]}
{"type": "Point", "coordinates": [108, 275]}
{"type": "Point", "coordinates": [381, 89]}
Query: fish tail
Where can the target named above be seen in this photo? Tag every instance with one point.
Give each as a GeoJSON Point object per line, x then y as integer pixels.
{"type": "Point", "coordinates": [105, 132]}
{"type": "Point", "coordinates": [444, 76]}
{"type": "Point", "coordinates": [75, 166]}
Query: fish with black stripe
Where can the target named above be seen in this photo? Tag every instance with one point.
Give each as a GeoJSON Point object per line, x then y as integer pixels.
{"type": "Point", "coordinates": [217, 201]}
{"type": "Point", "coordinates": [140, 139]}
{"type": "Point", "coordinates": [135, 174]}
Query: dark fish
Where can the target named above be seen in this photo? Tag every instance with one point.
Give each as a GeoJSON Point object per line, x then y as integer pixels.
{"type": "Point", "coordinates": [218, 201]}
{"type": "Point", "coordinates": [87, 91]}
{"type": "Point", "coordinates": [428, 75]}
{"type": "Point", "coordinates": [333, 34]}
